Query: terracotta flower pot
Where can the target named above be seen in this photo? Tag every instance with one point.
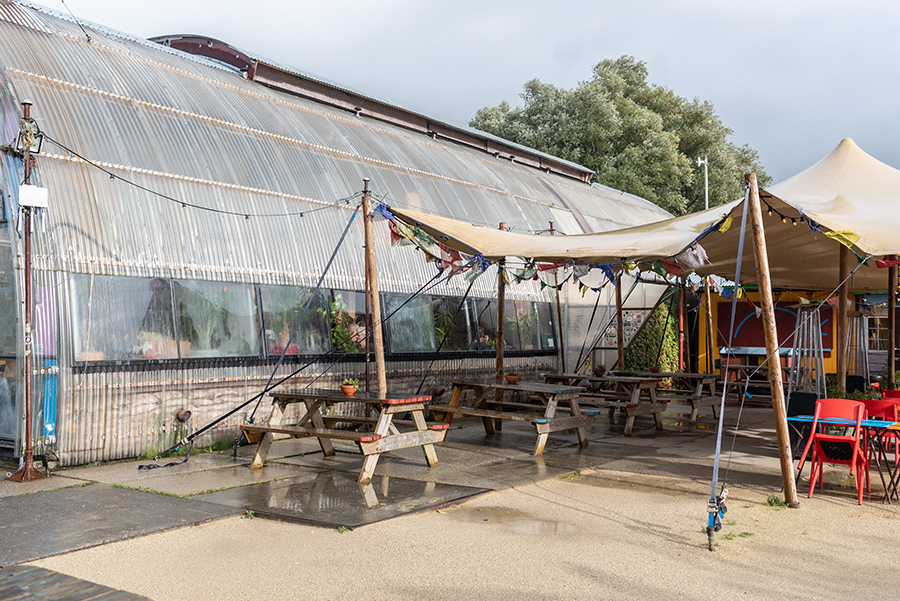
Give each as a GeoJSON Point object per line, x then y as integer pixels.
{"type": "Point", "coordinates": [655, 369]}
{"type": "Point", "coordinates": [348, 389]}
{"type": "Point", "coordinates": [512, 379]}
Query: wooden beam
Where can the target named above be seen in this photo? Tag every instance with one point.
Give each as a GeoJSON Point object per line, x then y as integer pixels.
{"type": "Point", "coordinates": [377, 333]}
{"type": "Point", "coordinates": [620, 326]}
{"type": "Point", "coordinates": [767, 305]}
{"type": "Point", "coordinates": [841, 318]}
{"type": "Point", "coordinates": [501, 307]}
{"type": "Point", "coordinates": [892, 327]}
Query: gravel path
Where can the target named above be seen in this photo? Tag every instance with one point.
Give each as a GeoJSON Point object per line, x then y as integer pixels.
{"type": "Point", "coordinates": [599, 535]}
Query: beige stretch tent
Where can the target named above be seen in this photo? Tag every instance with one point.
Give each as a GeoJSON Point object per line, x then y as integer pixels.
{"type": "Point", "coordinates": [848, 195]}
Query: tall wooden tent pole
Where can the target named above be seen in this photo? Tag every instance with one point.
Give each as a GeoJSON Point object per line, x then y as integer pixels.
{"type": "Point", "coordinates": [767, 305]}
{"type": "Point", "coordinates": [377, 333]}
{"type": "Point", "coordinates": [710, 332]}
{"type": "Point", "coordinates": [892, 327]}
{"type": "Point", "coordinates": [501, 305]}
{"type": "Point", "coordinates": [620, 326]}
{"type": "Point", "coordinates": [561, 348]}
{"type": "Point", "coordinates": [841, 318]}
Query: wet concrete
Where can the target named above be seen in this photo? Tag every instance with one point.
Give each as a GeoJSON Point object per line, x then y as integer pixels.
{"type": "Point", "coordinates": [300, 483]}
{"type": "Point", "coordinates": [336, 499]}
{"type": "Point", "coordinates": [28, 583]}
{"type": "Point", "coordinates": [57, 521]}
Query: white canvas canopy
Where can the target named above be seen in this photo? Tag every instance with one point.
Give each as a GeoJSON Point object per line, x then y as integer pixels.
{"type": "Point", "coordinates": [848, 196]}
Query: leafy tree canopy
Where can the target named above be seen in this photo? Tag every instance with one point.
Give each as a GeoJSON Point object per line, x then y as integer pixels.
{"type": "Point", "coordinates": [636, 136]}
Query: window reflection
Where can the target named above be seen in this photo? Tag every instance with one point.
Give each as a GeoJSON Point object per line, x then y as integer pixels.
{"type": "Point", "coordinates": [546, 325]}
{"type": "Point", "coordinates": [347, 314]}
{"type": "Point", "coordinates": [520, 320]}
{"type": "Point", "coordinates": [410, 328]}
{"type": "Point", "coordinates": [453, 324]}
{"type": "Point", "coordinates": [7, 301]}
{"type": "Point", "coordinates": [282, 309]}
{"type": "Point", "coordinates": [216, 319]}
{"type": "Point", "coordinates": [486, 318]}
{"type": "Point", "coordinates": [119, 318]}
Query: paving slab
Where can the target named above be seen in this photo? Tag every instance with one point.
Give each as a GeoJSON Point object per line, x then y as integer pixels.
{"type": "Point", "coordinates": [58, 521]}
{"type": "Point", "coordinates": [117, 472]}
{"type": "Point", "coordinates": [29, 583]}
{"type": "Point", "coordinates": [192, 483]}
{"type": "Point", "coordinates": [8, 488]}
{"type": "Point", "coordinates": [336, 499]}
{"type": "Point", "coordinates": [285, 447]}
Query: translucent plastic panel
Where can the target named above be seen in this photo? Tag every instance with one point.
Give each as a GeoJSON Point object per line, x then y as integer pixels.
{"type": "Point", "coordinates": [282, 308]}
{"type": "Point", "coordinates": [216, 319]}
{"type": "Point", "coordinates": [8, 321]}
{"type": "Point", "coordinates": [116, 318]}
{"type": "Point", "coordinates": [520, 321]}
{"type": "Point", "coordinates": [486, 319]}
{"type": "Point", "coordinates": [453, 324]}
{"type": "Point", "coordinates": [347, 314]}
{"type": "Point", "coordinates": [410, 328]}
{"type": "Point", "coordinates": [546, 318]}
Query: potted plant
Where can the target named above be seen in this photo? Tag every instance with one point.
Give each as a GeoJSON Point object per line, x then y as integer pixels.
{"type": "Point", "coordinates": [512, 378]}
{"type": "Point", "coordinates": [600, 371]}
{"type": "Point", "coordinates": [349, 386]}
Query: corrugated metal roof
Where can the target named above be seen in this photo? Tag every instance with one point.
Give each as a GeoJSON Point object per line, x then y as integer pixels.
{"type": "Point", "coordinates": [197, 132]}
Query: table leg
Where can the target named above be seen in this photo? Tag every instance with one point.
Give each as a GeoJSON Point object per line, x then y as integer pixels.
{"type": "Point", "coordinates": [576, 412]}
{"type": "Point", "coordinates": [381, 428]}
{"type": "Point", "coordinates": [657, 414]}
{"type": "Point", "coordinates": [262, 449]}
{"type": "Point", "coordinates": [315, 416]}
{"type": "Point", "coordinates": [548, 413]}
{"type": "Point", "coordinates": [421, 426]}
{"type": "Point", "coordinates": [454, 402]}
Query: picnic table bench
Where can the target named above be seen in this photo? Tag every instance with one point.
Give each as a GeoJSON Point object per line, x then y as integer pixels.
{"type": "Point", "coordinates": [633, 394]}
{"type": "Point", "coordinates": [699, 390]}
{"type": "Point", "coordinates": [385, 436]}
{"type": "Point", "coordinates": [490, 406]}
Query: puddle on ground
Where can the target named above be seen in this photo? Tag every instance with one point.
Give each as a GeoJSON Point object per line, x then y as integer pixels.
{"type": "Point", "coordinates": [511, 520]}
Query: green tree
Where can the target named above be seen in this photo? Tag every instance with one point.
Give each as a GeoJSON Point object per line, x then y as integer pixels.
{"type": "Point", "coordinates": [636, 136]}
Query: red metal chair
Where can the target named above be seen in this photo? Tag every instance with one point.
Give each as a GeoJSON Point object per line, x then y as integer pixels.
{"type": "Point", "coordinates": [887, 410]}
{"type": "Point", "coordinates": [843, 449]}
{"type": "Point", "coordinates": [890, 394]}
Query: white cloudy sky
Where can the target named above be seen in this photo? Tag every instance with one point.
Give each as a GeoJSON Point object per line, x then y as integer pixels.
{"type": "Point", "coordinates": [790, 77]}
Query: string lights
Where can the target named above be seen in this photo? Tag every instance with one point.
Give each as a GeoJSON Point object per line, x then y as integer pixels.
{"type": "Point", "coordinates": [784, 218]}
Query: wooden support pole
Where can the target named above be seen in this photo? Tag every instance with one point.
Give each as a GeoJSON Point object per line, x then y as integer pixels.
{"type": "Point", "coordinates": [841, 319]}
{"type": "Point", "coordinates": [561, 348]}
{"type": "Point", "coordinates": [682, 322]}
{"type": "Point", "coordinates": [767, 305]}
{"type": "Point", "coordinates": [711, 337]}
{"type": "Point", "coordinates": [377, 333]}
{"type": "Point", "coordinates": [892, 327]}
{"type": "Point", "coordinates": [501, 305]}
{"type": "Point", "coordinates": [620, 325]}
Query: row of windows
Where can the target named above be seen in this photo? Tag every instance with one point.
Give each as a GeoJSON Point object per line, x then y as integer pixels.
{"type": "Point", "coordinates": [122, 318]}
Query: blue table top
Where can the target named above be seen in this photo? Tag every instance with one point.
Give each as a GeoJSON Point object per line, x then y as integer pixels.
{"type": "Point", "coordinates": [837, 421]}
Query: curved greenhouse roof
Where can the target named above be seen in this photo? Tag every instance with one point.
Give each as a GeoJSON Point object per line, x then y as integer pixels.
{"type": "Point", "coordinates": [266, 150]}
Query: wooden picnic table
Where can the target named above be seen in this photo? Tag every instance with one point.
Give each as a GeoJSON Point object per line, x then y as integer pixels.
{"type": "Point", "coordinates": [539, 407]}
{"type": "Point", "coordinates": [384, 437]}
{"type": "Point", "coordinates": [699, 390]}
{"type": "Point", "coordinates": [636, 395]}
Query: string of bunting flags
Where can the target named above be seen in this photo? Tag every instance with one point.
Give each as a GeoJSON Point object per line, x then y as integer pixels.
{"type": "Point", "coordinates": [547, 274]}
